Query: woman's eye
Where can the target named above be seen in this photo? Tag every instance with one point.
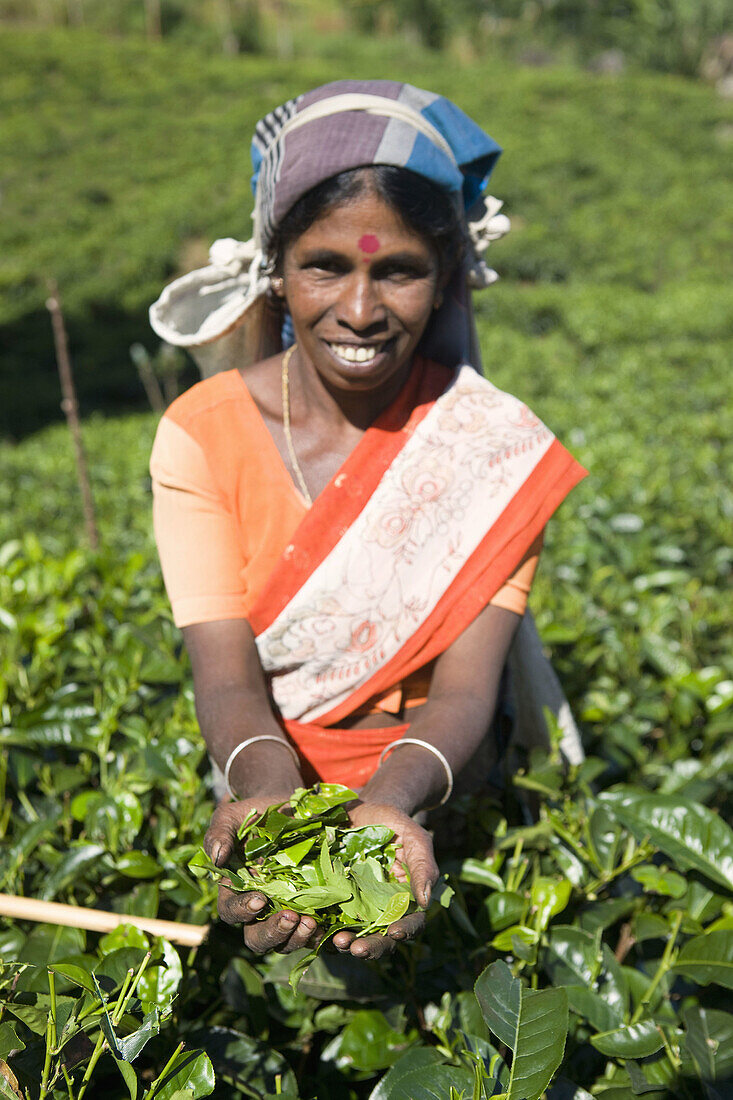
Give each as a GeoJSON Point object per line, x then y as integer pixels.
{"type": "Point", "coordinates": [329, 267]}
{"type": "Point", "coordinates": [400, 272]}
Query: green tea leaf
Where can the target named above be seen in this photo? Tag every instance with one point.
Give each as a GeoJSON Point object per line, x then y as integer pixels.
{"type": "Point", "coordinates": [74, 863]}
{"type": "Point", "coordinates": [505, 909]}
{"type": "Point", "coordinates": [511, 937]}
{"type": "Point", "coordinates": [124, 936]}
{"type": "Point", "coordinates": [394, 910]}
{"type": "Point", "coordinates": [659, 881]}
{"type": "Point", "coordinates": [299, 968]}
{"type": "Point", "coordinates": [76, 974]}
{"type": "Point", "coordinates": [138, 865]}
{"type": "Point", "coordinates": [499, 995]}
{"type": "Point", "coordinates": [643, 1077]}
{"type": "Point", "coordinates": [605, 836]}
{"type": "Point", "coordinates": [9, 1039]}
{"type": "Point", "coordinates": [548, 897]}
{"type": "Point", "coordinates": [192, 1073]}
{"type": "Point", "coordinates": [649, 926]}
{"type": "Point", "coordinates": [612, 983]}
{"type": "Point", "coordinates": [593, 1007]}
{"type": "Point", "coordinates": [532, 1024]}
{"type": "Point", "coordinates": [49, 942]}
{"type": "Point", "coordinates": [708, 958]}
{"type": "Point", "coordinates": [318, 897]}
{"type": "Point", "coordinates": [366, 841]}
{"type": "Point", "coordinates": [689, 833]}
{"type": "Point", "coordinates": [476, 872]}
{"type": "Point", "coordinates": [571, 956]}
{"type": "Point", "coordinates": [315, 801]}
{"type": "Point", "coordinates": [709, 1040]}
{"type": "Point", "coordinates": [112, 970]}
{"type": "Point", "coordinates": [295, 853]}
{"type": "Point", "coordinates": [368, 1043]}
{"type": "Point", "coordinates": [127, 1049]}
{"type": "Point", "coordinates": [630, 1040]}
{"type": "Point", "coordinates": [159, 984]}
{"type": "Point", "coordinates": [130, 1078]}
{"type": "Point", "coordinates": [419, 1075]}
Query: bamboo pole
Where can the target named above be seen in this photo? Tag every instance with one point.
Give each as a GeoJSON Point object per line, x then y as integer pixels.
{"type": "Point", "coordinates": [70, 407]}
{"type": "Point", "coordinates": [98, 920]}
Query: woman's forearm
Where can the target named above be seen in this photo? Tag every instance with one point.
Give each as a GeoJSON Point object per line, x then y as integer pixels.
{"type": "Point", "coordinates": [230, 715]}
{"type": "Point", "coordinates": [232, 705]}
{"type": "Point", "coordinates": [455, 719]}
{"type": "Point", "coordinates": [412, 778]}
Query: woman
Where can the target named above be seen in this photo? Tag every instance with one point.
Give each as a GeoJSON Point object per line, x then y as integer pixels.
{"type": "Point", "coordinates": [348, 528]}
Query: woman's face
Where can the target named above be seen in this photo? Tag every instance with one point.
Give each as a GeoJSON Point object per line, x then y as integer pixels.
{"type": "Point", "coordinates": [360, 287]}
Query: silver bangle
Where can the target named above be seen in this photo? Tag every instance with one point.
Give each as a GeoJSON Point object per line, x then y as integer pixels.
{"type": "Point", "coordinates": [434, 751]}
{"type": "Point", "coordinates": [250, 741]}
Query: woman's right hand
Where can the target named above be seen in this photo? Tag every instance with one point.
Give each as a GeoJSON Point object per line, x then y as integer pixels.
{"type": "Point", "coordinates": [283, 931]}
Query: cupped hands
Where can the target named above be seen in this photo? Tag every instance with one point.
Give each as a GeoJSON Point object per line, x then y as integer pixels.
{"type": "Point", "coordinates": [283, 931]}
{"type": "Point", "coordinates": [286, 930]}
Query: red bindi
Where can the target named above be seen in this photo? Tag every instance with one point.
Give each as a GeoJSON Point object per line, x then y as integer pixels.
{"type": "Point", "coordinates": [369, 243]}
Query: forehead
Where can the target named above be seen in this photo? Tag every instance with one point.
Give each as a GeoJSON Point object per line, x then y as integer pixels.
{"type": "Point", "coordinates": [365, 224]}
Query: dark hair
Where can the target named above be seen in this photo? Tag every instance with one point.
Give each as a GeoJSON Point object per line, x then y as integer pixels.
{"type": "Point", "coordinates": [424, 207]}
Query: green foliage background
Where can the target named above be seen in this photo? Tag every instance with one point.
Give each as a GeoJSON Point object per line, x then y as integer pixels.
{"type": "Point", "coordinates": [667, 35]}
{"type": "Point", "coordinates": [123, 161]}
{"type": "Point", "coordinates": [613, 321]}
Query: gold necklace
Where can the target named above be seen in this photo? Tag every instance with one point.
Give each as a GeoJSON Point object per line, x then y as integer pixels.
{"type": "Point", "coordinates": [285, 380]}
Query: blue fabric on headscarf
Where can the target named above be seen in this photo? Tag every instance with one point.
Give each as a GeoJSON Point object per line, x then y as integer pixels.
{"type": "Point", "coordinates": [475, 151]}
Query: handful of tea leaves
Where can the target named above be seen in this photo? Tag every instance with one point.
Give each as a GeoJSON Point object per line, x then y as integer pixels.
{"type": "Point", "coordinates": [312, 861]}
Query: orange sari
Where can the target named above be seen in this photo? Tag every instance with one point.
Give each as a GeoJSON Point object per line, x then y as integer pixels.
{"type": "Point", "coordinates": [435, 538]}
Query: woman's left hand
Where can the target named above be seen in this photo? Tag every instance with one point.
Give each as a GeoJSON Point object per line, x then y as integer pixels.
{"type": "Point", "coordinates": [415, 850]}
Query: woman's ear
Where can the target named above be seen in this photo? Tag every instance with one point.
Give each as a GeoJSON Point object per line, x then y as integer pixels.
{"type": "Point", "coordinates": [444, 278]}
{"type": "Point", "coordinates": [278, 286]}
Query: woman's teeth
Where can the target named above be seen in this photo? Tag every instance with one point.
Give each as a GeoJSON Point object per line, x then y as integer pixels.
{"type": "Point", "coordinates": [353, 354]}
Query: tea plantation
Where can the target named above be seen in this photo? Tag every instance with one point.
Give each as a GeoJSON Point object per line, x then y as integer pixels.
{"type": "Point", "coordinates": [588, 950]}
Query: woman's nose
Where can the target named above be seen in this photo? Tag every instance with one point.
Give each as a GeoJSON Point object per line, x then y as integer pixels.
{"type": "Point", "coordinates": [360, 306]}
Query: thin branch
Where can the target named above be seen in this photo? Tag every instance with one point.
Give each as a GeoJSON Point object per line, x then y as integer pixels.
{"type": "Point", "coordinates": [626, 941]}
{"type": "Point", "coordinates": [70, 408]}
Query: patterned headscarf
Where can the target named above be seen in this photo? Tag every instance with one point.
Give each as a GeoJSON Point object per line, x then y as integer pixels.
{"type": "Point", "coordinates": [340, 126]}
{"type": "Point", "coordinates": [353, 123]}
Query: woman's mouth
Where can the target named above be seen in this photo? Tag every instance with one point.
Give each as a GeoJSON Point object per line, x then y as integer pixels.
{"type": "Point", "coordinates": [361, 355]}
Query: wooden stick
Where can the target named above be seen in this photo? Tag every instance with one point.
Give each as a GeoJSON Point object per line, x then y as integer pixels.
{"type": "Point", "coordinates": [98, 920]}
{"type": "Point", "coordinates": [151, 385]}
{"type": "Point", "coordinates": [71, 410]}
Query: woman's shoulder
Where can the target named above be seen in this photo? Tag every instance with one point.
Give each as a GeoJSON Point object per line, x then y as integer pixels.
{"type": "Point", "coordinates": [216, 422]}
{"type": "Point", "coordinates": [216, 394]}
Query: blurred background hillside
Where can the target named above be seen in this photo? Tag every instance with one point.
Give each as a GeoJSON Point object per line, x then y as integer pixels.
{"type": "Point", "coordinates": [124, 143]}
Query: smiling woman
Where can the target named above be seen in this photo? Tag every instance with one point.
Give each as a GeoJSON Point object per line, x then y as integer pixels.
{"type": "Point", "coordinates": [349, 517]}
{"type": "Point", "coordinates": [358, 316]}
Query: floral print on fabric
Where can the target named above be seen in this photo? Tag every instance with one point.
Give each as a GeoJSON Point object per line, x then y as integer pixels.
{"type": "Point", "coordinates": [438, 500]}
